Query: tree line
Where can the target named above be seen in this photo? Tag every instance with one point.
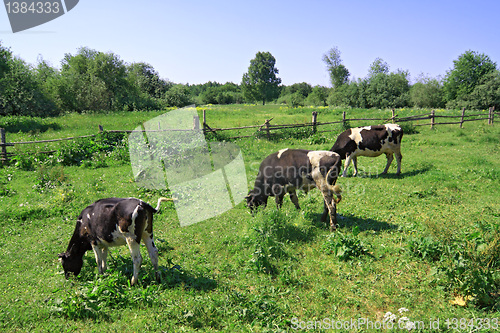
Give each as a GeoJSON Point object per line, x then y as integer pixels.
{"type": "Point", "coordinates": [91, 80]}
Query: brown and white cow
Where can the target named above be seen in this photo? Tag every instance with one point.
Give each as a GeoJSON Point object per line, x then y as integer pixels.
{"type": "Point", "coordinates": [370, 141]}
{"type": "Point", "coordinates": [290, 169]}
{"type": "Point", "coordinates": [112, 222]}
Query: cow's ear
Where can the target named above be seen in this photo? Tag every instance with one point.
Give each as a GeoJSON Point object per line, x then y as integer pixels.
{"type": "Point", "coordinates": [62, 255]}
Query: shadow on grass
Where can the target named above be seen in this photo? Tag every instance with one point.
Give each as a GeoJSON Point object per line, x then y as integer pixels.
{"type": "Point", "coordinates": [26, 125]}
{"type": "Point", "coordinates": [351, 221]}
{"type": "Point", "coordinates": [167, 277]}
{"type": "Point", "coordinates": [296, 234]}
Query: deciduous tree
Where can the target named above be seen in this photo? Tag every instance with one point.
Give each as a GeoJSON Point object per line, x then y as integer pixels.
{"type": "Point", "coordinates": [467, 72]}
{"type": "Point", "coordinates": [260, 83]}
{"type": "Point", "coordinates": [339, 74]}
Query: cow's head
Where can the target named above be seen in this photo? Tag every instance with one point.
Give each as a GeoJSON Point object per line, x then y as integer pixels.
{"type": "Point", "coordinates": [71, 264]}
{"type": "Point", "coordinates": [255, 199]}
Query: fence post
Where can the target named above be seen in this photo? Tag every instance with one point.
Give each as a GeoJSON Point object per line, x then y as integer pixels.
{"type": "Point", "coordinates": [343, 119]}
{"type": "Point", "coordinates": [492, 114]}
{"type": "Point", "coordinates": [196, 122]}
{"type": "Point", "coordinates": [393, 115]}
{"type": "Point", "coordinates": [462, 119]}
{"type": "Point", "coordinates": [4, 146]}
{"type": "Point", "coordinates": [267, 129]}
{"type": "Point", "coordinates": [204, 121]}
{"type": "Point", "coordinates": [432, 119]}
{"type": "Point", "coordinates": [314, 117]}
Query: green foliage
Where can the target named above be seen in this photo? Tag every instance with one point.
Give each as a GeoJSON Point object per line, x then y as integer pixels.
{"type": "Point", "coordinates": [318, 96]}
{"type": "Point", "coordinates": [427, 93]}
{"type": "Point", "coordinates": [79, 150]}
{"type": "Point", "coordinates": [381, 90]}
{"type": "Point", "coordinates": [345, 247]}
{"type": "Point", "coordinates": [269, 233]}
{"type": "Point", "coordinates": [21, 92]}
{"type": "Point", "coordinates": [49, 178]}
{"type": "Point", "coordinates": [352, 94]}
{"type": "Point", "coordinates": [388, 90]}
{"type": "Point", "coordinates": [303, 88]}
{"type": "Point", "coordinates": [293, 100]}
{"type": "Point", "coordinates": [260, 83]}
{"type": "Point", "coordinates": [485, 94]}
{"type": "Point", "coordinates": [426, 247]}
{"type": "Point", "coordinates": [178, 96]}
{"type": "Point", "coordinates": [465, 277]}
{"type": "Point", "coordinates": [228, 93]}
{"type": "Point", "coordinates": [378, 66]}
{"type": "Point", "coordinates": [339, 74]}
{"type": "Point", "coordinates": [408, 128]}
{"type": "Point", "coordinates": [467, 72]}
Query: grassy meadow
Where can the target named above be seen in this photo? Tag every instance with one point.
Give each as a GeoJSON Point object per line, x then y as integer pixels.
{"type": "Point", "coordinates": [421, 248]}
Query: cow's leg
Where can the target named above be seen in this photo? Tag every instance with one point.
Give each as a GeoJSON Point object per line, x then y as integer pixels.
{"type": "Point", "coordinates": [399, 157]}
{"type": "Point", "coordinates": [104, 257]}
{"type": "Point", "coordinates": [347, 162]}
{"type": "Point", "coordinates": [135, 252]}
{"type": "Point", "coordinates": [279, 200]}
{"type": "Point", "coordinates": [325, 212]}
{"type": "Point", "coordinates": [329, 201]}
{"type": "Point", "coordinates": [390, 157]}
{"type": "Point", "coordinates": [98, 257]}
{"type": "Point", "coordinates": [152, 250]}
{"type": "Point", "coordinates": [331, 206]}
{"type": "Point", "coordinates": [295, 200]}
{"type": "Point", "coordinates": [279, 194]}
{"type": "Point", "coordinates": [355, 165]}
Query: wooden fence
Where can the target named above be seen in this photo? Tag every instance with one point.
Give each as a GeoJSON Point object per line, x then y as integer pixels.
{"type": "Point", "coordinates": [267, 128]}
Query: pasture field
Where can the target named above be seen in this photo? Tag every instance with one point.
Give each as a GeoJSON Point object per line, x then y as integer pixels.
{"type": "Point", "coordinates": [421, 248]}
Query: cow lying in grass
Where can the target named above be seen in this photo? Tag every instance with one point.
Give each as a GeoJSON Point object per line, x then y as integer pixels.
{"type": "Point", "coordinates": [291, 169]}
{"type": "Point", "coordinates": [369, 141]}
{"type": "Point", "coordinates": [112, 222]}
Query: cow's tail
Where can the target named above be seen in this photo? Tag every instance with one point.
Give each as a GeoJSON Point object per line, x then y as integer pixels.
{"type": "Point", "coordinates": [162, 199]}
{"type": "Point", "coordinates": [337, 190]}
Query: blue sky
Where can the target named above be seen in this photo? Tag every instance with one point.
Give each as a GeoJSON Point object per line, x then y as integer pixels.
{"type": "Point", "coordinates": [200, 41]}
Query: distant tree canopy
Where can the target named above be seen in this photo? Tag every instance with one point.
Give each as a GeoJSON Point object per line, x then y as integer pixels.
{"type": "Point", "coordinates": [21, 91]}
{"type": "Point", "coordinates": [260, 83]}
{"type": "Point", "coordinates": [339, 74]}
{"type": "Point", "coordinates": [93, 80]}
{"type": "Point", "coordinates": [469, 70]}
{"type": "Point", "coordinates": [472, 83]}
{"type": "Point", "coordinates": [380, 89]}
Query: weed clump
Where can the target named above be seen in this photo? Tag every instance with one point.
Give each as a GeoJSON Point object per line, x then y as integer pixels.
{"type": "Point", "coordinates": [345, 247]}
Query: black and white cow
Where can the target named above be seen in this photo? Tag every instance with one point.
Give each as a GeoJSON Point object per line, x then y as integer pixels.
{"type": "Point", "coordinates": [112, 222]}
{"type": "Point", "coordinates": [290, 169]}
{"type": "Point", "coordinates": [369, 141]}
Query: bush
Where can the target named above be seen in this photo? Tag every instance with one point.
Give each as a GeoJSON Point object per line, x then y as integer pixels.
{"type": "Point", "coordinates": [268, 237]}
{"type": "Point", "coordinates": [426, 248]}
{"type": "Point", "coordinates": [345, 247]}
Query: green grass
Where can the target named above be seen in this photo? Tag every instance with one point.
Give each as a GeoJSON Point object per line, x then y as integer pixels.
{"type": "Point", "coordinates": [418, 241]}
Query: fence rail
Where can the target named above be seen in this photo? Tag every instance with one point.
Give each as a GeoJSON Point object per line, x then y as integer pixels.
{"type": "Point", "coordinates": [267, 127]}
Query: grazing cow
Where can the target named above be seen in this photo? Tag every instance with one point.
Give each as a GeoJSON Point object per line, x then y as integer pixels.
{"type": "Point", "coordinates": [369, 141]}
{"type": "Point", "coordinates": [112, 222]}
{"type": "Point", "coordinates": [290, 169]}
